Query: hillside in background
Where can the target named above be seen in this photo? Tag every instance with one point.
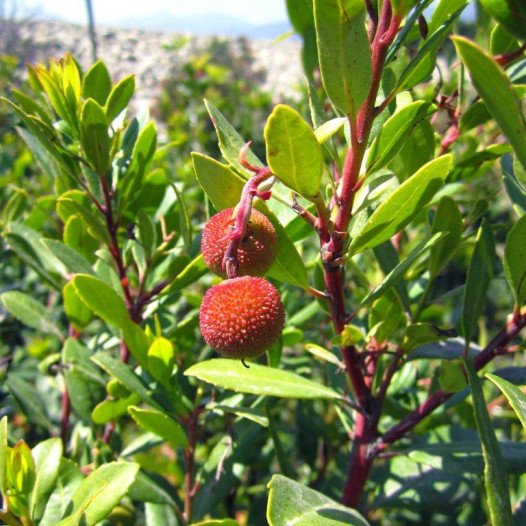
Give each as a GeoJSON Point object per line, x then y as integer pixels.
{"type": "Point", "coordinates": [150, 54]}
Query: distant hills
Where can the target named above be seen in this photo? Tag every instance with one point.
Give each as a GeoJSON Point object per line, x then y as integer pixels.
{"type": "Point", "coordinates": [202, 24]}
{"type": "Point", "coordinates": [206, 24]}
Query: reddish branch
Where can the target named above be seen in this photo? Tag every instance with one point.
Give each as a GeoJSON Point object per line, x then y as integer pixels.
{"type": "Point", "coordinates": [333, 250]}
{"type": "Point", "coordinates": [496, 347]}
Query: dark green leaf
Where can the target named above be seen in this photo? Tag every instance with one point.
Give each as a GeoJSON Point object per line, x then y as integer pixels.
{"type": "Point", "coordinates": [161, 425]}
{"type": "Point", "coordinates": [410, 198]}
{"type": "Point", "coordinates": [515, 260]}
{"type": "Point", "coordinates": [398, 272]}
{"type": "Point", "coordinates": [394, 133]}
{"type": "Point", "coordinates": [29, 401]}
{"type": "Point", "coordinates": [94, 137]}
{"type": "Point", "coordinates": [344, 52]}
{"type": "Point", "coordinates": [448, 220]}
{"type": "Point", "coordinates": [126, 377]}
{"type": "Point", "coordinates": [450, 377]}
{"type": "Point", "coordinates": [495, 89]}
{"type": "Point", "coordinates": [30, 312]}
{"type": "Point", "coordinates": [480, 274]}
{"type": "Point", "coordinates": [495, 475]}
{"type": "Point", "coordinates": [423, 63]}
{"type": "Point", "coordinates": [292, 503]}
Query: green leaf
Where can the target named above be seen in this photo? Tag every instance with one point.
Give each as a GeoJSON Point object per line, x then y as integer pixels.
{"type": "Point", "coordinates": [3, 453]}
{"type": "Point", "coordinates": [47, 457]}
{"type": "Point", "coordinates": [480, 274]}
{"type": "Point", "coordinates": [398, 272]}
{"type": "Point", "coordinates": [327, 356]}
{"type": "Point", "coordinates": [26, 243]}
{"type": "Point", "coordinates": [94, 223]}
{"type": "Point", "coordinates": [514, 187]}
{"type": "Point", "coordinates": [448, 220]}
{"type": "Point", "coordinates": [424, 62]}
{"type": "Point", "coordinates": [68, 479]}
{"type": "Point", "coordinates": [221, 185]}
{"type": "Point", "coordinates": [450, 377]}
{"type": "Point", "coordinates": [419, 334]}
{"type": "Point", "coordinates": [230, 142]}
{"type": "Point", "coordinates": [101, 299]}
{"type": "Point", "coordinates": [30, 312]}
{"type": "Point", "coordinates": [101, 491]}
{"type": "Point", "coordinates": [161, 360]}
{"type": "Point", "coordinates": [148, 489]}
{"type": "Point", "coordinates": [119, 97]}
{"type": "Point", "coordinates": [243, 412]}
{"type": "Point", "coordinates": [515, 396]}
{"type": "Point", "coordinates": [495, 89]}
{"type": "Point", "coordinates": [410, 198]}
{"type": "Point", "coordinates": [191, 273]}
{"type": "Point", "coordinates": [141, 158]}
{"type": "Point", "coordinates": [161, 425]}
{"type": "Point", "coordinates": [94, 137]}
{"type": "Point", "coordinates": [217, 522]}
{"type": "Point", "coordinates": [515, 260]}
{"type": "Point", "coordinates": [344, 52]}
{"type": "Point", "coordinates": [73, 261]}
{"type": "Point", "coordinates": [292, 503]}
{"type": "Point", "coordinates": [395, 132]}
{"type": "Point", "coordinates": [329, 128]}
{"type": "Point", "coordinates": [126, 377]}
{"type": "Point", "coordinates": [259, 380]}
{"type": "Point", "coordinates": [79, 315]}
{"type": "Point", "coordinates": [29, 401]}
{"type": "Point", "coordinates": [288, 265]}
{"type": "Point", "coordinates": [443, 10]}
{"type": "Point", "coordinates": [495, 475]}
{"type": "Point", "coordinates": [293, 153]}
{"type": "Point", "coordinates": [111, 410]}
{"type": "Point", "coordinates": [96, 83]}
{"type": "Point", "coordinates": [156, 514]}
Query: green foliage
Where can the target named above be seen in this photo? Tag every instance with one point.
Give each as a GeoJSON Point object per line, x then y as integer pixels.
{"type": "Point", "coordinates": [398, 200]}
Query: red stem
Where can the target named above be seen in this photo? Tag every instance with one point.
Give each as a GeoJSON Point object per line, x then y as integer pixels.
{"type": "Point", "coordinates": [64, 417]}
{"type": "Point", "coordinates": [497, 346]}
{"type": "Point", "coordinates": [332, 251]}
{"type": "Point", "coordinates": [244, 209]}
{"type": "Point", "coordinates": [189, 455]}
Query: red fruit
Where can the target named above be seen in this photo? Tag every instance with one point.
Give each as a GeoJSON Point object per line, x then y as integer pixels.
{"type": "Point", "coordinates": [255, 253]}
{"type": "Point", "coordinates": [241, 317]}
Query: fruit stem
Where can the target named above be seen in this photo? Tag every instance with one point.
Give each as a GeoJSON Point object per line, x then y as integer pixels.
{"type": "Point", "coordinates": [242, 217]}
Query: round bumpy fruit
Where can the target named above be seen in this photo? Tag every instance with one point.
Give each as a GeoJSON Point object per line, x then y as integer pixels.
{"type": "Point", "coordinates": [241, 317]}
{"type": "Point", "coordinates": [255, 253]}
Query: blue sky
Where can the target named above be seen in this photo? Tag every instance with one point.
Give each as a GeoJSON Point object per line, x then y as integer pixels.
{"type": "Point", "coordinates": [108, 11]}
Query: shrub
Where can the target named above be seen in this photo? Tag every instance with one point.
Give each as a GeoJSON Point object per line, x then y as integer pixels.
{"type": "Point", "coordinates": [398, 205]}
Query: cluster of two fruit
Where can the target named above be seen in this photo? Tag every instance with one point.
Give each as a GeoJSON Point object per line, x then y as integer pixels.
{"type": "Point", "coordinates": [241, 317]}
